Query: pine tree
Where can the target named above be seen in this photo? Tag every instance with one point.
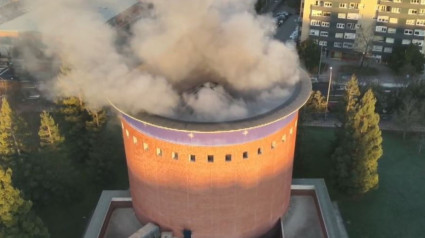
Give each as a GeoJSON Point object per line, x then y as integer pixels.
{"type": "Point", "coordinates": [16, 217]}
{"type": "Point", "coordinates": [351, 96]}
{"type": "Point", "coordinates": [49, 131]}
{"type": "Point", "coordinates": [7, 140]}
{"type": "Point", "coordinates": [315, 104]}
{"type": "Point", "coordinates": [97, 120]}
{"type": "Point", "coordinates": [355, 160]}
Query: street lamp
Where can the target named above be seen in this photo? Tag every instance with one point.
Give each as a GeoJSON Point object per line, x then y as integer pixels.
{"type": "Point", "coordinates": [320, 62]}
{"type": "Point", "coordinates": [329, 90]}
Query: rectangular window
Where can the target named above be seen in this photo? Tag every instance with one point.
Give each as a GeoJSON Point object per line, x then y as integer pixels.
{"type": "Point", "coordinates": [392, 30]}
{"type": "Point", "coordinates": [353, 5]}
{"type": "Point", "coordinates": [423, 2]}
{"type": "Point", "coordinates": [397, 1]}
{"type": "Point", "coordinates": [393, 20]}
{"type": "Point", "coordinates": [158, 152]}
{"type": "Point", "coordinates": [343, 5]}
{"type": "Point", "coordinates": [377, 48]}
{"type": "Point", "coordinates": [192, 158]}
{"type": "Point", "coordinates": [325, 24]}
{"type": "Point", "coordinates": [420, 22]}
{"type": "Point", "coordinates": [422, 11]}
{"type": "Point", "coordinates": [328, 4]}
{"type": "Point", "coordinates": [384, 8]}
{"type": "Point", "coordinates": [405, 42]}
{"type": "Point", "coordinates": [408, 32]}
{"type": "Point", "coordinates": [326, 14]}
{"type": "Point", "coordinates": [324, 33]}
{"type": "Point", "coordinates": [337, 44]}
{"type": "Point", "coordinates": [410, 22]}
{"type": "Point", "coordinates": [340, 25]}
{"type": "Point", "coordinates": [228, 157]}
{"type": "Point", "coordinates": [353, 16]}
{"type": "Point", "coordinates": [174, 155]}
{"type": "Point", "coordinates": [418, 42]}
{"type": "Point", "coordinates": [339, 35]}
{"type": "Point", "coordinates": [350, 36]}
{"type": "Point", "coordinates": [351, 26]}
{"type": "Point", "coordinates": [245, 155]}
{"type": "Point", "coordinates": [415, 1]}
{"type": "Point", "coordinates": [382, 19]}
{"type": "Point", "coordinates": [395, 10]}
{"type": "Point", "coordinates": [341, 15]}
{"type": "Point", "coordinates": [348, 45]}
{"type": "Point", "coordinates": [273, 145]}
{"type": "Point", "coordinates": [413, 11]}
{"type": "Point", "coordinates": [314, 23]}
{"type": "Point", "coordinates": [259, 151]}
{"type": "Point", "coordinates": [381, 29]}
{"type": "Point", "coordinates": [378, 38]}
{"type": "Point", "coordinates": [419, 32]}
{"type": "Point", "coordinates": [323, 43]}
{"type": "Point", "coordinates": [316, 13]}
{"type": "Point", "coordinates": [389, 40]}
{"type": "Point", "coordinates": [145, 146]}
{"type": "Point", "coordinates": [314, 32]}
{"type": "Point", "coordinates": [210, 158]}
{"type": "Point", "coordinates": [283, 138]}
{"type": "Point", "coordinates": [388, 49]}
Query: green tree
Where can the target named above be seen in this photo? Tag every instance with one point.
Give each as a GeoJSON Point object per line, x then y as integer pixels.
{"type": "Point", "coordinates": [407, 60]}
{"type": "Point", "coordinates": [316, 104]}
{"type": "Point", "coordinates": [359, 147]}
{"type": "Point", "coordinates": [49, 133]}
{"type": "Point", "coordinates": [309, 52]}
{"type": "Point", "coordinates": [16, 217]}
{"type": "Point", "coordinates": [407, 115]}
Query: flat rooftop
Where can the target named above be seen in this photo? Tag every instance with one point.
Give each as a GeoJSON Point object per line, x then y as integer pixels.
{"type": "Point", "coordinates": [311, 214]}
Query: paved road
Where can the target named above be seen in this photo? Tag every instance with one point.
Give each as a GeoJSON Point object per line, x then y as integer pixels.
{"type": "Point", "coordinates": [285, 30]}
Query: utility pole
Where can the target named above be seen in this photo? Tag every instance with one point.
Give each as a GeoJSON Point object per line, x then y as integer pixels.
{"type": "Point", "coordinates": [329, 90]}
{"type": "Point", "coordinates": [320, 63]}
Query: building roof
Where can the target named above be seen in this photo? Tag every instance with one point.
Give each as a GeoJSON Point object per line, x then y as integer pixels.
{"type": "Point", "coordinates": [106, 9]}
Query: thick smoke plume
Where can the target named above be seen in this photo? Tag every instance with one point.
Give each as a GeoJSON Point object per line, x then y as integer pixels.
{"type": "Point", "coordinates": [180, 45]}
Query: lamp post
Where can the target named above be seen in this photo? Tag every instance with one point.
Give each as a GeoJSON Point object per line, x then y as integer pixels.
{"type": "Point", "coordinates": [320, 62]}
{"type": "Point", "coordinates": [329, 90]}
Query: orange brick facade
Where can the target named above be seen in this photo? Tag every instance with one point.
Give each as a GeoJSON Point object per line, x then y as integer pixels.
{"type": "Point", "coordinates": [233, 191]}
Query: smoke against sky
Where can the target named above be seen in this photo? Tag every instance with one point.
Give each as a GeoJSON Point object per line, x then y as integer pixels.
{"type": "Point", "coordinates": [182, 44]}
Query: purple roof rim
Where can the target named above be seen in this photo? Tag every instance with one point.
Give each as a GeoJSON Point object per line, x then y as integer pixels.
{"type": "Point", "coordinates": [299, 97]}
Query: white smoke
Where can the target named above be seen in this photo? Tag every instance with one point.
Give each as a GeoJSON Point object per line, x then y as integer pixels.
{"type": "Point", "coordinates": [180, 39]}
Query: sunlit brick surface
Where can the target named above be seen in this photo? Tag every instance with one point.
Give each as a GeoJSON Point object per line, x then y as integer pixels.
{"type": "Point", "coordinates": [240, 198]}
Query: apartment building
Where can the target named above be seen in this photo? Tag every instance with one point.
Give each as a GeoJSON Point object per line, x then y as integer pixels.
{"type": "Point", "coordinates": [373, 27]}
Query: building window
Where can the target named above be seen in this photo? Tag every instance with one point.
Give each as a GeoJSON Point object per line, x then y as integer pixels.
{"type": "Point", "coordinates": [397, 1]}
{"type": "Point", "coordinates": [392, 30]}
{"type": "Point", "coordinates": [343, 5]}
{"type": "Point", "coordinates": [418, 42]}
{"type": "Point", "coordinates": [350, 36]}
{"type": "Point", "coordinates": [328, 4]}
{"type": "Point", "coordinates": [422, 11]}
{"type": "Point", "coordinates": [351, 26]}
{"type": "Point", "coordinates": [341, 15]}
{"type": "Point", "coordinates": [145, 146]}
{"type": "Point", "coordinates": [283, 138]}
{"type": "Point", "coordinates": [420, 22]}
{"type": "Point", "coordinates": [174, 155]}
{"type": "Point", "coordinates": [381, 29]}
{"type": "Point", "coordinates": [134, 140]}
{"type": "Point", "coordinates": [377, 48]}
{"type": "Point", "coordinates": [314, 23]}
{"type": "Point", "coordinates": [423, 2]}
{"type": "Point", "coordinates": [353, 16]}
{"type": "Point", "coordinates": [228, 157]}
{"type": "Point", "coordinates": [314, 32]}
{"type": "Point", "coordinates": [326, 14]}
{"type": "Point", "coordinates": [323, 43]}
{"type": "Point", "coordinates": [158, 152]}
{"type": "Point", "coordinates": [316, 13]}
{"type": "Point", "coordinates": [324, 33]}
{"type": "Point", "coordinates": [384, 8]}
{"type": "Point", "coordinates": [393, 20]}
{"type": "Point", "coordinates": [348, 45]}
{"type": "Point", "coordinates": [388, 49]}
{"type": "Point", "coordinates": [378, 38]}
{"type": "Point", "coordinates": [337, 44]}
{"type": "Point", "coordinates": [382, 19]}
{"type": "Point", "coordinates": [405, 42]}
{"type": "Point", "coordinates": [210, 158]}
{"type": "Point", "coordinates": [353, 5]}
{"type": "Point", "coordinates": [395, 10]}
{"type": "Point", "coordinates": [339, 35]}
{"type": "Point", "coordinates": [415, 1]}
{"type": "Point", "coordinates": [192, 158]}
{"type": "Point", "coordinates": [408, 32]}
{"type": "Point", "coordinates": [259, 151]}
{"type": "Point", "coordinates": [325, 24]}
{"type": "Point", "coordinates": [419, 32]}
{"type": "Point", "coordinates": [413, 11]}
{"type": "Point", "coordinates": [291, 131]}
{"type": "Point", "coordinates": [245, 155]}
{"type": "Point", "coordinates": [127, 133]}
{"type": "Point", "coordinates": [410, 22]}
{"type": "Point", "coordinates": [389, 40]}
{"type": "Point", "coordinates": [273, 145]}
{"type": "Point", "coordinates": [340, 25]}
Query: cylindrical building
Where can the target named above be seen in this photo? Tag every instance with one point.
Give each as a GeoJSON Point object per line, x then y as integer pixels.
{"type": "Point", "coordinates": [218, 180]}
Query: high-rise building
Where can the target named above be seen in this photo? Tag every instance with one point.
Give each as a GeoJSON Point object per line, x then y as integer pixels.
{"type": "Point", "coordinates": [370, 27]}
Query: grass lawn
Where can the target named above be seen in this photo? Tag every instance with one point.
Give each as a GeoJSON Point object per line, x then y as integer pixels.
{"type": "Point", "coordinates": [396, 208]}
